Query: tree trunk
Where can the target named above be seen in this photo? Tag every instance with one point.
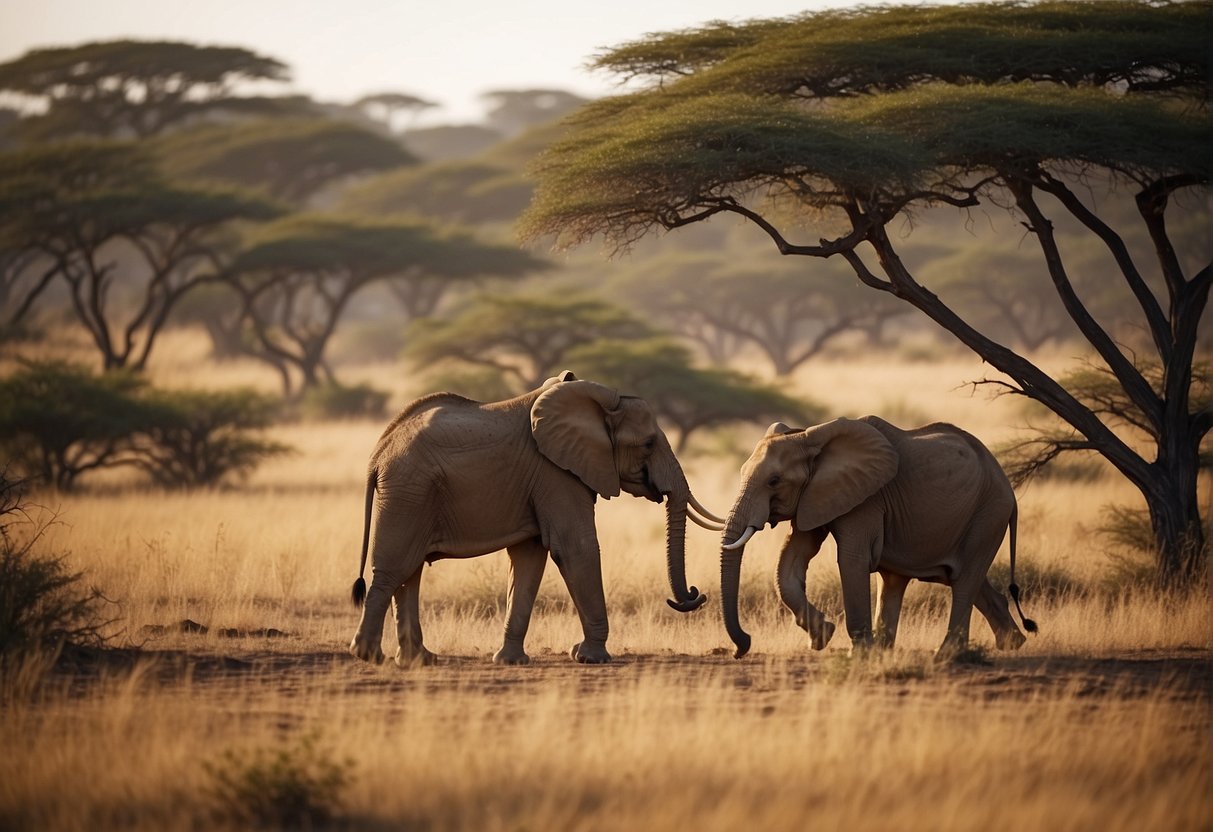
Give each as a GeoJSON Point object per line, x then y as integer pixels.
{"type": "Point", "coordinates": [1175, 518]}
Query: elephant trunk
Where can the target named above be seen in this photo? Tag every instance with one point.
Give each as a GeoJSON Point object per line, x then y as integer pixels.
{"type": "Point", "coordinates": [730, 579]}
{"type": "Point", "coordinates": [684, 600]}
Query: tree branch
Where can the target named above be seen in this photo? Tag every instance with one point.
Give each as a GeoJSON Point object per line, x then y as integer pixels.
{"type": "Point", "coordinates": [1137, 388]}
{"type": "Point", "coordinates": [1156, 319]}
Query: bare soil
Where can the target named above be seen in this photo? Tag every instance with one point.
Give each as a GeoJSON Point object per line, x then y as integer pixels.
{"type": "Point", "coordinates": [1179, 675]}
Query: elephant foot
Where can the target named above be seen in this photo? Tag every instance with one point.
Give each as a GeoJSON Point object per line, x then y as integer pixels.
{"type": "Point", "coordinates": [1010, 640]}
{"type": "Point", "coordinates": [863, 648]}
{"type": "Point", "coordinates": [586, 654]}
{"type": "Point", "coordinates": [822, 637]}
{"type": "Point", "coordinates": [422, 658]}
{"type": "Point", "coordinates": [511, 655]}
{"type": "Point", "coordinates": [364, 651]}
{"type": "Point", "coordinates": [958, 652]}
{"type": "Point", "coordinates": [863, 642]}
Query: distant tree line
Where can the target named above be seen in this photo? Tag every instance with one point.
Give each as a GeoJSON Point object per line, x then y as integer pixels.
{"type": "Point", "coordinates": [141, 189]}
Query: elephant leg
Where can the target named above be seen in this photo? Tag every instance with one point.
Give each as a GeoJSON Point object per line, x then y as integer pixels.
{"type": "Point", "coordinates": [798, 549]}
{"type": "Point", "coordinates": [966, 590]}
{"type": "Point", "coordinates": [406, 606]}
{"type": "Point", "coordinates": [855, 559]}
{"type": "Point", "coordinates": [892, 591]}
{"type": "Point", "coordinates": [957, 639]}
{"type": "Point", "coordinates": [367, 641]}
{"type": "Point", "coordinates": [993, 605]}
{"type": "Point", "coordinates": [397, 553]}
{"type": "Point", "coordinates": [580, 563]}
{"type": "Point", "coordinates": [527, 561]}
{"type": "Point", "coordinates": [985, 534]}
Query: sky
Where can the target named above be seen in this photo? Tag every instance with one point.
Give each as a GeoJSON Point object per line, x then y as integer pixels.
{"type": "Point", "coordinates": [446, 51]}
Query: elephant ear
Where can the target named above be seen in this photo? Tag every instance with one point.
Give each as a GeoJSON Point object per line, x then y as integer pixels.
{"type": "Point", "coordinates": [569, 423]}
{"type": "Point", "coordinates": [853, 461]}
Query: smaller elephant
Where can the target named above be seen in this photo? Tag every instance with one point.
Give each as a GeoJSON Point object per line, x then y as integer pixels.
{"type": "Point", "coordinates": [931, 503]}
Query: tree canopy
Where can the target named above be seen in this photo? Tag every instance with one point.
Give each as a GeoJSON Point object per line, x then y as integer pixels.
{"type": "Point", "coordinates": [846, 120]}
{"type": "Point", "coordinates": [788, 315]}
{"type": "Point", "coordinates": [125, 88]}
{"type": "Point", "coordinates": [458, 191]}
{"type": "Point", "coordinates": [98, 216]}
{"type": "Point", "coordinates": [525, 336]}
{"type": "Point", "coordinates": [290, 159]}
{"type": "Point", "coordinates": [384, 106]}
{"type": "Point", "coordinates": [298, 275]}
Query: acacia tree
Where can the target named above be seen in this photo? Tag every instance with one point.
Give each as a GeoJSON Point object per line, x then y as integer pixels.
{"type": "Point", "coordinates": [513, 111]}
{"type": "Point", "coordinates": [788, 317]}
{"type": "Point", "coordinates": [524, 337]}
{"type": "Point", "coordinates": [129, 244]}
{"type": "Point", "coordinates": [289, 159]}
{"type": "Point", "coordinates": [384, 106]}
{"type": "Point", "coordinates": [1000, 294]}
{"type": "Point", "coordinates": [457, 190]}
{"type": "Point", "coordinates": [25, 274]}
{"type": "Point", "coordinates": [131, 88]}
{"type": "Point", "coordinates": [854, 118]}
{"type": "Point", "coordinates": [297, 277]}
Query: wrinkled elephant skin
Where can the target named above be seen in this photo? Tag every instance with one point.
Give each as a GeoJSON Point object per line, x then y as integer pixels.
{"type": "Point", "coordinates": [454, 478]}
{"type": "Point", "coordinates": [931, 503]}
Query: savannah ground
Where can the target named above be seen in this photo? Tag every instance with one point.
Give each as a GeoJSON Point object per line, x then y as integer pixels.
{"type": "Point", "coordinates": [1101, 721]}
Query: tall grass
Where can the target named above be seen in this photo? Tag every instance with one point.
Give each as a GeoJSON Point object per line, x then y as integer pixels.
{"type": "Point", "coordinates": [720, 746]}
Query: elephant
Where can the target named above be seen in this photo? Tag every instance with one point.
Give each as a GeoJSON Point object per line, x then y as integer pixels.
{"type": "Point", "coordinates": [930, 503]}
{"type": "Point", "coordinates": [455, 478]}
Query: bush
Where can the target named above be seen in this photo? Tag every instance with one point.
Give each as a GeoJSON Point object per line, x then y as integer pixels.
{"type": "Point", "coordinates": [44, 606]}
{"type": "Point", "coordinates": [336, 401]}
{"type": "Point", "coordinates": [199, 438]}
{"type": "Point", "coordinates": [58, 420]}
{"type": "Point", "coordinates": [294, 787]}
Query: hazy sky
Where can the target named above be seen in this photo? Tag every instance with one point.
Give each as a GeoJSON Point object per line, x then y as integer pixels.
{"type": "Point", "coordinates": [448, 51]}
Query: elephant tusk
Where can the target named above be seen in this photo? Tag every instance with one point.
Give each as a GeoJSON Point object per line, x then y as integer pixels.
{"type": "Point", "coordinates": [741, 541]}
{"type": "Point", "coordinates": [707, 515]}
{"type": "Point", "coordinates": [705, 524]}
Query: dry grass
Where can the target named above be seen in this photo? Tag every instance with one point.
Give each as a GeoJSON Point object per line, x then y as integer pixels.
{"type": "Point", "coordinates": [1101, 721]}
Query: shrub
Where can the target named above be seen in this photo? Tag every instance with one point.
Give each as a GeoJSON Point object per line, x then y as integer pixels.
{"type": "Point", "coordinates": [336, 401]}
{"type": "Point", "coordinates": [292, 787]}
{"type": "Point", "coordinates": [198, 438]}
{"type": "Point", "coordinates": [58, 420]}
{"type": "Point", "coordinates": [44, 605]}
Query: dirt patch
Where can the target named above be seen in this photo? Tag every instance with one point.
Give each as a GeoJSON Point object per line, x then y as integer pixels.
{"type": "Point", "coordinates": [1184, 674]}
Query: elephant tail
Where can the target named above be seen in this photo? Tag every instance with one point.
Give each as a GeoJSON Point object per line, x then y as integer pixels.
{"type": "Point", "coordinates": [1028, 624]}
{"type": "Point", "coordinates": [359, 591]}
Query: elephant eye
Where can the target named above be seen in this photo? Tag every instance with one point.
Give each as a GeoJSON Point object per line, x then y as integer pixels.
{"type": "Point", "coordinates": [774, 480]}
{"type": "Point", "coordinates": [650, 443]}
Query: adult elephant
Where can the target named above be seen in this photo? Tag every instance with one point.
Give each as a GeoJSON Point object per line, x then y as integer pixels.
{"type": "Point", "coordinates": [931, 503]}
{"type": "Point", "coordinates": [455, 478]}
